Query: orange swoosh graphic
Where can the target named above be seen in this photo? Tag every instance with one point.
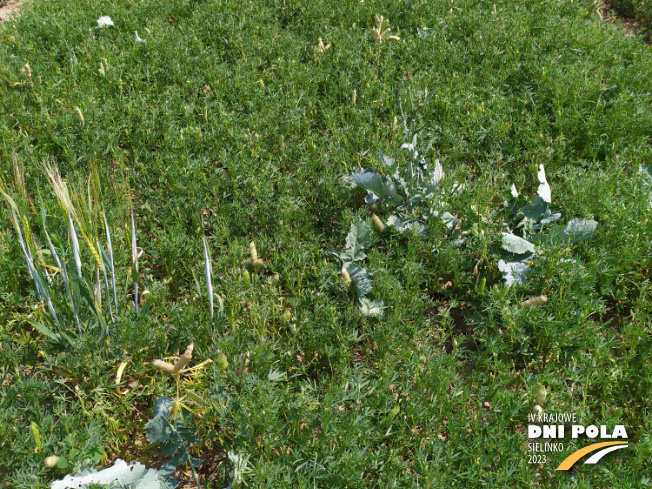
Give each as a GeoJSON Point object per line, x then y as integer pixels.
{"type": "Point", "coordinates": [575, 456]}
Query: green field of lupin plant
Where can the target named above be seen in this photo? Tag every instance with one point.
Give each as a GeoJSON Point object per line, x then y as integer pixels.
{"type": "Point", "coordinates": [354, 244]}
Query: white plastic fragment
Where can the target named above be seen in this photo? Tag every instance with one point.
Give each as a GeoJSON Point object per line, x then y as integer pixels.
{"type": "Point", "coordinates": [104, 21]}
{"type": "Point", "coordinates": [118, 475]}
{"type": "Point", "coordinates": [544, 189]}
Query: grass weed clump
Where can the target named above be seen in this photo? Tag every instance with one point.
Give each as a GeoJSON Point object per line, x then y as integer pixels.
{"type": "Point", "coordinates": [229, 124]}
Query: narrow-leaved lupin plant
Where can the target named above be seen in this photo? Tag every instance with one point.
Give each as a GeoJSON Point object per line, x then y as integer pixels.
{"type": "Point", "coordinates": [381, 32]}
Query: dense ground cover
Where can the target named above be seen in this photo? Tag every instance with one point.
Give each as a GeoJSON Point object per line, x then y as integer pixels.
{"type": "Point", "coordinates": [228, 121]}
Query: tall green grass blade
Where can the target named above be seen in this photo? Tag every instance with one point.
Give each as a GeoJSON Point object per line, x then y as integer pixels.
{"type": "Point", "coordinates": [43, 329]}
{"type": "Point", "coordinates": [106, 279]}
{"type": "Point", "coordinates": [97, 291]}
{"type": "Point", "coordinates": [207, 271]}
{"type": "Point", "coordinates": [75, 246]}
{"type": "Point", "coordinates": [110, 251]}
{"type": "Point", "coordinates": [62, 266]}
{"type": "Point", "coordinates": [28, 257]}
{"type": "Point", "coordinates": [134, 257]}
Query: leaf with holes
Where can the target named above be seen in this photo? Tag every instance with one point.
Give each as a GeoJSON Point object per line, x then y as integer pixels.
{"type": "Point", "coordinates": [581, 229]}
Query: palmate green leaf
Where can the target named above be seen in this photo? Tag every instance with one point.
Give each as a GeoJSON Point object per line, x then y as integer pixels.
{"type": "Point", "coordinates": [357, 240]}
{"type": "Point", "coordinates": [276, 376]}
{"type": "Point", "coordinates": [515, 244]}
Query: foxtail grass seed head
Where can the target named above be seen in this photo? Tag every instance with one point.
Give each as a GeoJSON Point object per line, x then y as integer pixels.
{"type": "Point", "coordinates": [51, 462]}
{"type": "Point", "coordinates": [101, 70]}
{"type": "Point", "coordinates": [475, 271]}
{"type": "Point", "coordinates": [79, 115]}
{"type": "Point", "coordinates": [379, 224]}
{"type": "Point", "coordinates": [247, 279]}
{"type": "Point", "coordinates": [321, 47]}
{"type": "Point", "coordinates": [258, 263]}
{"type": "Point", "coordinates": [381, 30]}
{"type": "Point", "coordinates": [541, 395]}
{"type": "Point", "coordinates": [354, 97]}
{"type": "Point", "coordinates": [536, 301]}
{"type": "Point", "coordinates": [28, 72]}
{"type": "Point", "coordinates": [252, 251]}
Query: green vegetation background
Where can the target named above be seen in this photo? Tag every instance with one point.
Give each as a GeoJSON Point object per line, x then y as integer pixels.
{"type": "Point", "coordinates": [228, 111]}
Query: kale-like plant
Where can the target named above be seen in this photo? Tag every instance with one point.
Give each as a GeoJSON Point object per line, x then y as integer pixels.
{"type": "Point", "coordinates": [358, 239]}
{"type": "Point", "coordinates": [531, 219]}
{"type": "Point", "coordinates": [172, 425]}
{"type": "Point", "coordinates": [412, 189]}
{"type": "Point", "coordinates": [173, 429]}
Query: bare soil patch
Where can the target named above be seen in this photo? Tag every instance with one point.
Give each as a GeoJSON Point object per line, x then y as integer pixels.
{"type": "Point", "coordinates": [9, 8]}
{"type": "Point", "coordinates": [632, 27]}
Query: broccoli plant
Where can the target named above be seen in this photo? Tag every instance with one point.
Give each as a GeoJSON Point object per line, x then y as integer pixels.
{"type": "Point", "coordinates": [358, 239]}
{"type": "Point", "coordinates": [531, 218]}
{"type": "Point", "coordinates": [412, 190]}
{"type": "Point", "coordinates": [173, 429]}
